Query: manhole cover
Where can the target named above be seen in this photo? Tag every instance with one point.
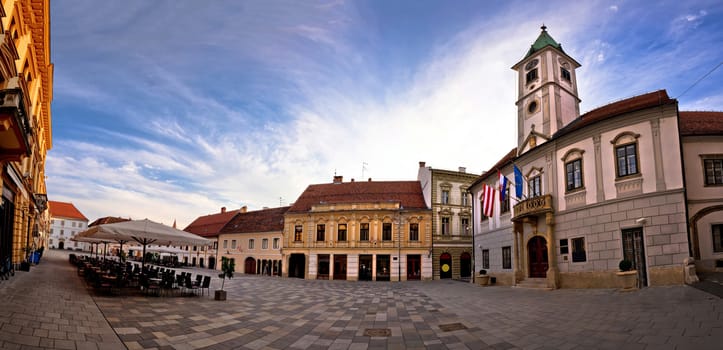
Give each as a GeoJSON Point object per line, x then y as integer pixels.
{"type": "Point", "coordinates": [452, 327]}
{"type": "Point", "coordinates": [378, 332]}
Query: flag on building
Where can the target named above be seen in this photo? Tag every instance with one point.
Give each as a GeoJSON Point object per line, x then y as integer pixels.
{"type": "Point", "coordinates": [518, 182]}
{"type": "Point", "coordinates": [488, 200]}
{"type": "Point", "coordinates": [503, 186]}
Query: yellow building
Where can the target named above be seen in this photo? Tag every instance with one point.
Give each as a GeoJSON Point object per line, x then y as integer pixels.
{"type": "Point", "coordinates": [369, 230]}
{"type": "Point", "coordinates": [253, 239]}
{"type": "Point", "coordinates": [26, 90]}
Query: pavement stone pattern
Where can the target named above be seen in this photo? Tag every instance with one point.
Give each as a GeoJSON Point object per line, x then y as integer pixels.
{"type": "Point", "coordinates": [287, 313]}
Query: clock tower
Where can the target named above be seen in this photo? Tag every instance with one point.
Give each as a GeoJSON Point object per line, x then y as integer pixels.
{"type": "Point", "coordinates": [547, 98]}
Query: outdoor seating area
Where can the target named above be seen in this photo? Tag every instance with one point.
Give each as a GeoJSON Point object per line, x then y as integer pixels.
{"type": "Point", "coordinates": [112, 277]}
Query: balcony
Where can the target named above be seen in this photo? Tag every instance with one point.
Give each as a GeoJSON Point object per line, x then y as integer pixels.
{"type": "Point", "coordinates": [533, 207]}
{"type": "Point", "coordinates": [15, 131]}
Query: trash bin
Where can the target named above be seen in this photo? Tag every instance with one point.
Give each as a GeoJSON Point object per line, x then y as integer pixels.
{"type": "Point", "coordinates": [35, 258]}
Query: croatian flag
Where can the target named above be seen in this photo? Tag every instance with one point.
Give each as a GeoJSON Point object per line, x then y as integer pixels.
{"type": "Point", "coordinates": [503, 186]}
{"type": "Point", "coordinates": [488, 200]}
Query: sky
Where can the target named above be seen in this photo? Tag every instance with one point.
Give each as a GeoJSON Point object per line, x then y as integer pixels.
{"type": "Point", "coordinates": [172, 109]}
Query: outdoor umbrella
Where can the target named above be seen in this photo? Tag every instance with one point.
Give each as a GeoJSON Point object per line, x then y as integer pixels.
{"type": "Point", "coordinates": [82, 237]}
{"type": "Point", "coordinates": [145, 232]}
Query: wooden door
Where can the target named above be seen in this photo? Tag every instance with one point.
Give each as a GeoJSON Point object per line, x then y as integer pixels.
{"type": "Point", "coordinates": [537, 251]}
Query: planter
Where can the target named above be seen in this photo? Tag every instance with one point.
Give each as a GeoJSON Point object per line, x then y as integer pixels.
{"type": "Point", "coordinates": [483, 280]}
{"type": "Point", "coordinates": [219, 295]}
{"type": "Point", "coordinates": [628, 280]}
{"type": "Point", "coordinates": [24, 266]}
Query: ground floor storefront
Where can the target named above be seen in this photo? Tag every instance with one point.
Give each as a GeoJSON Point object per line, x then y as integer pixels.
{"type": "Point", "coordinates": [367, 266]}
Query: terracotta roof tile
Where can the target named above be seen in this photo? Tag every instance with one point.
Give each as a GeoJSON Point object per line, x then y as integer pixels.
{"type": "Point", "coordinates": [701, 123]}
{"type": "Point", "coordinates": [409, 193]}
{"type": "Point", "coordinates": [210, 225]}
{"type": "Point", "coordinates": [107, 220]}
{"type": "Point", "coordinates": [266, 220]}
{"type": "Point", "coordinates": [65, 210]}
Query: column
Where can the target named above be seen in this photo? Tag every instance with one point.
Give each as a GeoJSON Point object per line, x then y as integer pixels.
{"type": "Point", "coordinates": [553, 278]}
{"type": "Point", "coordinates": [516, 231]}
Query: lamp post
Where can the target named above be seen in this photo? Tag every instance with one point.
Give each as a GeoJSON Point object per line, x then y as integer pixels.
{"type": "Point", "coordinates": [399, 246]}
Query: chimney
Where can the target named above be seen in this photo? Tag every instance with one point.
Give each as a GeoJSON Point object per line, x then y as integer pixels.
{"type": "Point", "coordinates": [370, 179]}
{"type": "Point", "coordinates": [462, 169]}
{"type": "Point", "coordinates": [422, 164]}
{"type": "Point", "coordinates": [244, 209]}
{"type": "Point", "coordinates": [338, 179]}
{"type": "Point", "coordinates": [223, 210]}
{"type": "Point", "coordinates": [352, 180]}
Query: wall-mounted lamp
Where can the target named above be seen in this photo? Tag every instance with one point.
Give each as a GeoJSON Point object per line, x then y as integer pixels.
{"type": "Point", "coordinates": [641, 221]}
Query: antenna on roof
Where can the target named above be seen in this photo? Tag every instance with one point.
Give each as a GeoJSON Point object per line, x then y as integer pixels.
{"type": "Point", "coordinates": [281, 201]}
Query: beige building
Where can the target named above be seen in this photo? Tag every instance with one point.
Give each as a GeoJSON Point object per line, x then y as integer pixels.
{"type": "Point", "coordinates": [26, 90]}
{"type": "Point", "coordinates": [702, 139]}
{"type": "Point", "coordinates": [253, 241]}
{"type": "Point", "coordinates": [446, 192]}
{"type": "Point", "coordinates": [596, 188]}
{"type": "Point", "coordinates": [367, 230]}
{"type": "Point", "coordinates": [207, 226]}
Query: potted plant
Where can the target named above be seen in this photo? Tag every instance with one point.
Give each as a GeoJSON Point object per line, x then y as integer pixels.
{"type": "Point", "coordinates": [227, 269]}
{"type": "Point", "coordinates": [25, 264]}
{"type": "Point", "coordinates": [627, 276]}
{"type": "Point", "coordinates": [483, 279]}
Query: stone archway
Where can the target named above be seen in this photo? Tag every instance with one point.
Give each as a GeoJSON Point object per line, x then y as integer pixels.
{"type": "Point", "coordinates": [694, 241]}
{"type": "Point", "coordinates": [445, 266]}
{"type": "Point", "coordinates": [465, 265]}
{"type": "Point", "coordinates": [250, 266]}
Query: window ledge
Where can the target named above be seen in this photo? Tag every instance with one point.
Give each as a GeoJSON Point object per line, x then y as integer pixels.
{"type": "Point", "coordinates": [576, 198]}
{"type": "Point", "coordinates": [629, 186]}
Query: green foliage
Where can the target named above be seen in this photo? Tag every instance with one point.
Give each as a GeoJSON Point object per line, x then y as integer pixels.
{"type": "Point", "coordinates": [625, 265]}
{"type": "Point", "coordinates": [228, 267]}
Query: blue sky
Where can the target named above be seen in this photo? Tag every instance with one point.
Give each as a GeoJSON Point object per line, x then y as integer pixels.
{"type": "Point", "coordinates": [169, 110]}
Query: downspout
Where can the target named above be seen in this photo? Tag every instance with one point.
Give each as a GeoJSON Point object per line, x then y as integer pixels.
{"type": "Point", "coordinates": [474, 260]}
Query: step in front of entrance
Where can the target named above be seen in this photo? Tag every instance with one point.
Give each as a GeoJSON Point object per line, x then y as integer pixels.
{"type": "Point", "coordinates": [533, 283]}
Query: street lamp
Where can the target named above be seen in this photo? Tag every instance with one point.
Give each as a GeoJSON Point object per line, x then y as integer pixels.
{"type": "Point", "coordinates": [399, 246]}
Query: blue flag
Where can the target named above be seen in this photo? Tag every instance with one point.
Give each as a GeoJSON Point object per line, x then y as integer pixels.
{"type": "Point", "coordinates": [518, 181]}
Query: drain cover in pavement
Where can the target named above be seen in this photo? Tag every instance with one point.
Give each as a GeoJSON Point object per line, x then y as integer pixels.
{"type": "Point", "coordinates": [378, 332]}
{"type": "Point", "coordinates": [452, 327]}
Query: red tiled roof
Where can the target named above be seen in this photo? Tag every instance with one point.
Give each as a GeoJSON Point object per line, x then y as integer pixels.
{"type": "Point", "coordinates": [507, 159]}
{"type": "Point", "coordinates": [701, 123]}
{"type": "Point", "coordinates": [409, 193]}
{"type": "Point", "coordinates": [65, 210]}
{"type": "Point", "coordinates": [266, 220]}
{"type": "Point", "coordinates": [107, 220]}
{"type": "Point", "coordinates": [210, 225]}
{"type": "Point", "coordinates": [632, 104]}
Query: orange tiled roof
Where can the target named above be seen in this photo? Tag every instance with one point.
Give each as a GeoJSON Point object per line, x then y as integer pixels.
{"type": "Point", "coordinates": [210, 225]}
{"type": "Point", "coordinates": [409, 193]}
{"type": "Point", "coordinates": [65, 210]}
{"type": "Point", "coordinates": [701, 123]}
{"type": "Point", "coordinates": [266, 220]}
{"type": "Point", "coordinates": [107, 220]}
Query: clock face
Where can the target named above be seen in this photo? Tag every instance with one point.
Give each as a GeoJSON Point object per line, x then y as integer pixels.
{"type": "Point", "coordinates": [531, 64]}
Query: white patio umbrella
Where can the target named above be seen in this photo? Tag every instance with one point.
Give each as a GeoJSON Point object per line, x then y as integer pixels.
{"type": "Point", "coordinates": [145, 232]}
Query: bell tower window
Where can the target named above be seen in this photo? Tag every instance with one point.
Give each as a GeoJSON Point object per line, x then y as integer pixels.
{"type": "Point", "coordinates": [531, 76]}
{"type": "Point", "coordinates": [565, 74]}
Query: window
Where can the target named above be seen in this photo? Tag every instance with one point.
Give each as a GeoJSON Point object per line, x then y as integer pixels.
{"type": "Point", "coordinates": [445, 225]}
{"type": "Point", "coordinates": [215, 245]}
{"type": "Point", "coordinates": [563, 247]}
{"type": "Point", "coordinates": [265, 243]}
{"type": "Point", "coordinates": [627, 157]}
{"type": "Point", "coordinates": [413, 231]}
{"type": "Point", "coordinates": [298, 229]}
{"type": "Point", "coordinates": [387, 231]}
{"type": "Point", "coordinates": [251, 243]}
{"type": "Point", "coordinates": [195, 248]}
{"type": "Point", "coordinates": [51, 231]}
{"type": "Point", "coordinates": [506, 257]}
{"type": "Point", "coordinates": [465, 226]}
{"type": "Point", "coordinates": [717, 231]}
{"type": "Point", "coordinates": [531, 76]}
{"type": "Point", "coordinates": [276, 243]}
{"type": "Point", "coordinates": [713, 171]}
{"type": "Point", "coordinates": [73, 223]}
{"type": "Point", "coordinates": [532, 107]}
{"type": "Point", "coordinates": [320, 231]}
{"type": "Point", "coordinates": [62, 222]}
{"type": "Point", "coordinates": [505, 206]}
{"type": "Point", "coordinates": [364, 231]}
{"type": "Point", "coordinates": [445, 196]}
{"type": "Point", "coordinates": [225, 244]}
{"type": "Point", "coordinates": [233, 244]}
{"type": "Point", "coordinates": [573, 174]}
{"type": "Point", "coordinates": [485, 258]}
{"type": "Point", "coordinates": [341, 233]}
{"type": "Point", "coordinates": [578, 250]}
{"type": "Point", "coordinates": [565, 74]}
{"type": "Point", "coordinates": [535, 186]}
{"type": "Point", "coordinates": [465, 199]}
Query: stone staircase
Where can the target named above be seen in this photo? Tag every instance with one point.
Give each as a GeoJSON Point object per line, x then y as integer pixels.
{"type": "Point", "coordinates": [533, 283]}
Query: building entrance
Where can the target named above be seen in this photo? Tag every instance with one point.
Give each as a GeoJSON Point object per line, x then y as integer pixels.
{"type": "Point", "coordinates": [634, 250]}
{"type": "Point", "coordinates": [365, 267]}
{"type": "Point", "coordinates": [445, 266]}
{"type": "Point", "coordinates": [414, 267]}
{"type": "Point", "coordinates": [465, 265]}
{"type": "Point", "coordinates": [339, 267]}
{"type": "Point", "coordinates": [537, 252]}
{"type": "Point", "coordinates": [250, 266]}
{"type": "Point", "coordinates": [297, 263]}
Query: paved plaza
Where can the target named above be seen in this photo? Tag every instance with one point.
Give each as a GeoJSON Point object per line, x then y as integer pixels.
{"type": "Point", "coordinates": [51, 307]}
